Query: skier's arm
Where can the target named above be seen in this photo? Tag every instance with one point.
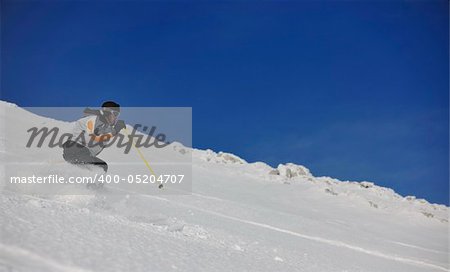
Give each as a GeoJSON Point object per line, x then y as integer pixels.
{"type": "Point", "coordinates": [119, 126]}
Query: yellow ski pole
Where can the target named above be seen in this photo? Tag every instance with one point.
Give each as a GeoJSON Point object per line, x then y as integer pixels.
{"type": "Point", "coordinates": [142, 157]}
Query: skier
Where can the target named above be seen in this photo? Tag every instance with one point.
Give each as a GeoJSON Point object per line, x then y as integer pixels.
{"type": "Point", "coordinates": [91, 133]}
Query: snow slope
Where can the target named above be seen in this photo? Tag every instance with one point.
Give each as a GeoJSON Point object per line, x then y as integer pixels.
{"type": "Point", "coordinates": [240, 217]}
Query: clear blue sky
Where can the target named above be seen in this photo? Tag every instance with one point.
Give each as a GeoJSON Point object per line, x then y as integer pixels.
{"type": "Point", "coordinates": [356, 90]}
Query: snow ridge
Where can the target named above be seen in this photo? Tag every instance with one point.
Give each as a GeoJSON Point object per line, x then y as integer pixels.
{"type": "Point", "coordinates": [240, 216]}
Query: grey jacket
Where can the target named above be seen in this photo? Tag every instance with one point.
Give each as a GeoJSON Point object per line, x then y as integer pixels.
{"type": "Point", "coordinates": [93, 131]}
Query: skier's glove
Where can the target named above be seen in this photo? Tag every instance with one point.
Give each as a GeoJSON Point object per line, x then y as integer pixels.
{"type": "Point", "coordinates": [119, 126]}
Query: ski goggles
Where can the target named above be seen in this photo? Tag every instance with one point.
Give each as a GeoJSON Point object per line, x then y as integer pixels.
{"type": "Point", "coordinates": [113, 112]}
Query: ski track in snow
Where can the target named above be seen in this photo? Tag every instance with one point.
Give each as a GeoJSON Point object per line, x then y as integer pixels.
{"type": "Point", "coordinates": [335, 243]}
{"type": "Point", "coordinates": [417, 247]}
{"type": "Point", "coordinates": [15, 256]}
{"type": "Point", "coordinates": [313, 238]}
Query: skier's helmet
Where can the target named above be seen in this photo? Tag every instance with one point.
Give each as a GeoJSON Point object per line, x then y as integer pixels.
{"type": "Point", "coordinates": [111, 111]}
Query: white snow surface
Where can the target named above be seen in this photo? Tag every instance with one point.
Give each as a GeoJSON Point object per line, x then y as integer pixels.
{"type": "Point", "coordinates": [240, 217]}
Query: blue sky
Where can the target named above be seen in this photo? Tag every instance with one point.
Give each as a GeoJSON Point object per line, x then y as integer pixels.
{"type": "Point", "coordinates": [356, 90]}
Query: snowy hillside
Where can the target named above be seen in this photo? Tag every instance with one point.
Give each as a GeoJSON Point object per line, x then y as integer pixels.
{"type": "Point", "coordinates": [240, 217]}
